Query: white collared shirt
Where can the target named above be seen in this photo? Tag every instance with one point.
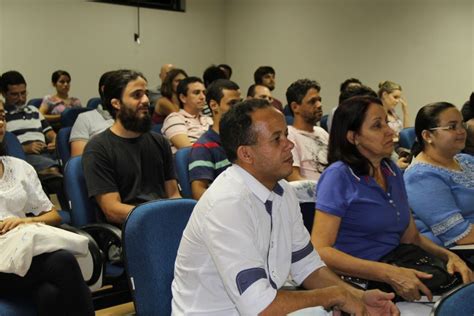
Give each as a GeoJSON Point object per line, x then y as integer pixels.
{"type": "Point", "coordinates": [235, 254]}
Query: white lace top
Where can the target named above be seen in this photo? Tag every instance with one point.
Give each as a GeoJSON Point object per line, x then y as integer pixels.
{"type": "Point", "coordinates": [20, 190]}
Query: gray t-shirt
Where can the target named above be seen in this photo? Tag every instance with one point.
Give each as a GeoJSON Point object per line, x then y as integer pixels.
{"type": "Point", "coordinates": [89, 124]}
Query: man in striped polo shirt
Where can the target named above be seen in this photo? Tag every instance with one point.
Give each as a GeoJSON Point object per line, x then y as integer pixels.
{"type": "Point", "coordinates": [208, 159]}
{"type": "Point", "coordinates": [25, 121]}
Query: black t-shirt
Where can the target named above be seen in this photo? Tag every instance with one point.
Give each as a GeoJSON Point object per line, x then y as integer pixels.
{"type": "Point", "coordinates": [136, 168]}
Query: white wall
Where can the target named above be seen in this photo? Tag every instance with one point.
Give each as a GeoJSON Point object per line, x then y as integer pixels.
{"type": "Point", "coordinates": [425, 45]}
{"type": "Point", "coordinates": [87, 39]}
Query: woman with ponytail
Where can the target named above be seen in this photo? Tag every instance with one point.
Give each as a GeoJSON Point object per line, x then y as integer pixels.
{"type": "Point", "coordinates": [468, 117]}
{"type": "Point", "coordinates": [440, 181]}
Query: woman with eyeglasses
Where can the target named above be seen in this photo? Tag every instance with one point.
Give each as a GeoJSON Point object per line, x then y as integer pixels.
{"type": "Point", "coordinates": [440, 180]}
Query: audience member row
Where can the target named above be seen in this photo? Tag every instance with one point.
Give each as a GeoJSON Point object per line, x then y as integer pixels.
{"type": "Point", "coordinates": [357, 180]}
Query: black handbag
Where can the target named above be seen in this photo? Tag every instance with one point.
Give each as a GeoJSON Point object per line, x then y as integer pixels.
{"type": "Point", "coordinates": [413, 257]}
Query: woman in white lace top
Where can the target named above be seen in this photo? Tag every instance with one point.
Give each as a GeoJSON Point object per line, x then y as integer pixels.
{"type": "Point", "coordinates": [54, 280]}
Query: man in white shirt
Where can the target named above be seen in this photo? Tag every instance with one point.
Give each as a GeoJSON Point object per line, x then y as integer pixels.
{"type": "Point", "coordinates": [311, 141]}
{"type": "Point", "coordinates": [246, 234]}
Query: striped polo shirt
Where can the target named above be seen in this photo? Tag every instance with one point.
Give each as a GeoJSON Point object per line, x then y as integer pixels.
{"type": "Point", "coordinates": [27, 123]}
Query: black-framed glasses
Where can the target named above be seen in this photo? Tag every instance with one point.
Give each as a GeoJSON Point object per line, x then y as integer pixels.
{"type": "Point", "coordinates": [451, 127]}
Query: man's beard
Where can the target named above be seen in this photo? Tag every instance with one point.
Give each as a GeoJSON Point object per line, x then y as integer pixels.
{"type": "Point", "coordinates": [132, 122]}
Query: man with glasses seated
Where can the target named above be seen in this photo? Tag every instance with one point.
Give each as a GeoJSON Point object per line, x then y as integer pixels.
{"type": "Point", "coordinates": [25, 121]}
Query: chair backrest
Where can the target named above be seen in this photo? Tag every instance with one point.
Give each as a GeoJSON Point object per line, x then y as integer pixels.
{"type": "Point", "coordinates": [289, 119]}
{"type": "Point", "coordinates": [14, 146]}
{"type": "Point", "coordinates": [62, 144]}
{"type": "Point", "coordinates": [456, 302]}
{"type": "Point", "coordinates": [18, 305]}
{"type": "Point", "coordinates": [82, 209]}
{"type": "Point", "coordinates": [35, 102]}
{"type": "Point", "coordinates": [157, 128]}
{"type": "Point", "coordinates": [182, 162]}
{"type": "Point", "coordinates": [69, 116]}
{"type": "Point", "coordinates": [407, 137]}
{"type": "Point", "coordinates": [324, 122]}
{"type": "Point", "coordinates": [93, 103]}
{"type": "Point", "coordinates": [150, 238]}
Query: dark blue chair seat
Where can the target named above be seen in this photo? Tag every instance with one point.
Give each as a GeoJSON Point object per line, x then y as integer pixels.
{"type": "Point", "coordinates": [151, 236]}
{"type": "Point", "coordinates": [182, 162]}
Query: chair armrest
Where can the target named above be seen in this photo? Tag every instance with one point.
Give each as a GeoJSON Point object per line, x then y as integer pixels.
{"type": "Point", "coordinates": [109, 239]}
{"type": "Point", "coordinates": [97, 255]}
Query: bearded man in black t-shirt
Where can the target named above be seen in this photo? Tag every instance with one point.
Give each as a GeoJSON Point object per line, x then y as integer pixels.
{"type": "Point", "coordinates": [128, 164]}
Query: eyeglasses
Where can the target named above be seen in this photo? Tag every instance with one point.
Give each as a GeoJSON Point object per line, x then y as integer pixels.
{"type": "Point", "coordinates": [452, 127]}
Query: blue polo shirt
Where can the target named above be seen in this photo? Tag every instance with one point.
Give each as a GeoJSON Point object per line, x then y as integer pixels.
{"type": "Point", "coordinates": [372, 220]}
{"type": "Point", "coordinates": [207, 159]}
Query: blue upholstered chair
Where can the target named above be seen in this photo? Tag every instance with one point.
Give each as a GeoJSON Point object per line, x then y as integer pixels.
{"type": "Point", "coordinates": [459, 301]}
{"type": "Point", "coordinates": [18, 306]}
{"type": "Point", "coordinates": [83, 211]}
{"type": "Point", "coordinates": [289, 119]}
{"type": "Point", "coordinates": [35, 102]}
{"type": "Point", "coordinates": [157, 128]}
{"type": "Point", "coordinates": [69, 116]}
{"type": "Point", "coordinates": [151, 236]}
{"type": "Point", "coordinates": [14, 146]}
{"type": "Point", "coordinates": [407, 137]}
{"type": "Point", "coordinates": [182, 162]}
{"type": "Point", "coordinates": [93, 103]}
{"type": "Point", "coordinates": [324, 122]}
{"type": "Point", "coordinates": [108, 237]}
{"type": "Point", "coordinates": [62, 145]}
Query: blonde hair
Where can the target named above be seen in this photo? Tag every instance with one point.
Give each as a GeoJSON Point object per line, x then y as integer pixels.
{"type": "Point", "coordinates": [388, 87]}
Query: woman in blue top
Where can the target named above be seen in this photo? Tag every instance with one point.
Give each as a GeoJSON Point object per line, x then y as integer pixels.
{"type": "Point", "coordinates": [440, 181]}
{"type": "Point", "coordinates": [362, 211]}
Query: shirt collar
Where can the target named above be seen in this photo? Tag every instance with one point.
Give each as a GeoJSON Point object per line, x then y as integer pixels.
{"type": "Point", "coordinates": [386, 169]}
{"type": "Point", "coordinates": [11, 109]}
{"type": "Point", "coordinates": [257, 188]}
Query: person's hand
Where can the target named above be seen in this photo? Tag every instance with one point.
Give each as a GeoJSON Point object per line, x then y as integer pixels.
{"type": "Point", "coordinates": [407, 284]}
{"type": "Point", "coordinates": [456, 264]}
{"type": "Point", "coordinates": [404, 104]}
{"type": "Point", "coordinates": [51, 146]}
{"type": "Point", "coordinates": [34, 147]}
{"type": "Point", "coordinates": [380, 303]}
{"type": "Point", "coordinates": [402, 163]}
{"type": "Point", "coordinates": [350, 302]}
{"type": "Point", "coordinates": [11, 222]}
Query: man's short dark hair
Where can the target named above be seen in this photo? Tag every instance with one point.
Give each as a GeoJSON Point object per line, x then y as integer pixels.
{"type": "Point", "coordinates": [11, 78]}
{"type": "Point", "coordinates": [262, 71]}
{"type": "Point", "coordinates": [211, 74]}
{"type": "Point", "coordinates": [182, 88]}
{"type": "Point", "coordinates": [298, 89]}
{"type": "Point", "coordinates": [236, 129]}
{"type": "Point", "coordinates": [348, 82]}
{"type": "Point", "coordinates": [114, 87]}
{"type": "Point", "coordinates": [353, 91]}
{"type": "Point", "coordinates": [214, 91]}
